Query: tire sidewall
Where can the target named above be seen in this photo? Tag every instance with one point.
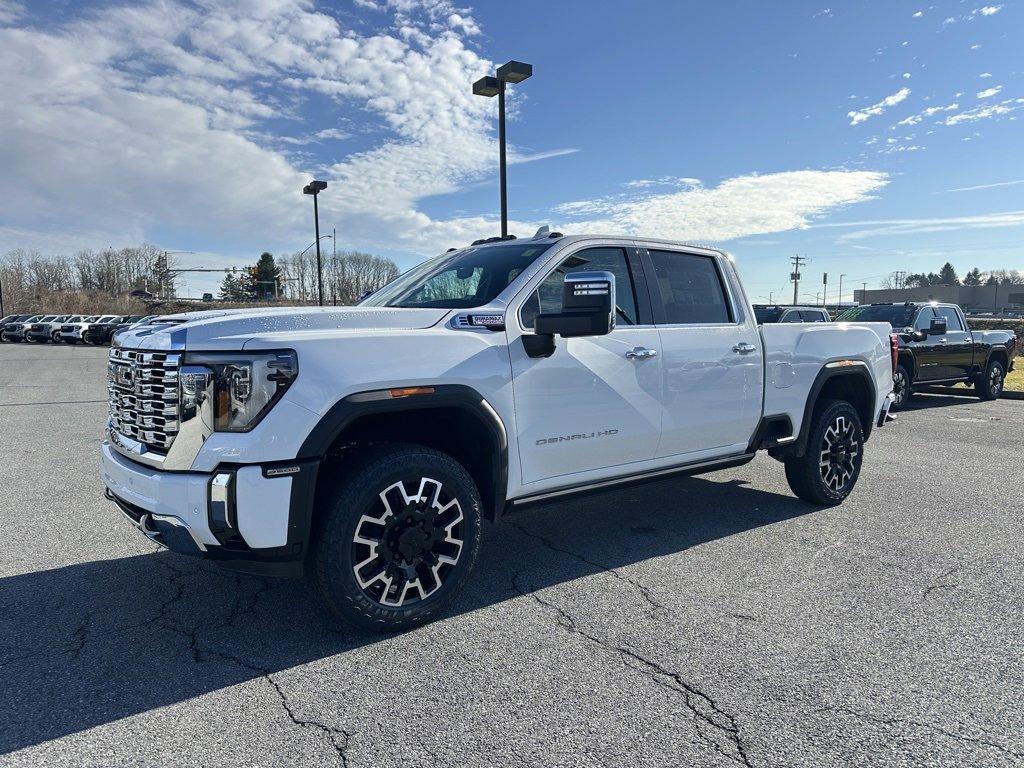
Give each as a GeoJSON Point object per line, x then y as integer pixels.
{"type": "Point", "coordinates": [901, 370]}
{"type": "Point", "coordinates": [360, 494]}
{"type": "Point", "coordinates": [990, 393]}
{"type": "Point", "coordinates": [821, 424]}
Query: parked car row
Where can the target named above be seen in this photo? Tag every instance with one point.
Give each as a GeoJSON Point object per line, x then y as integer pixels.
{"type": "Point", "coordinates": [932, 342]}
{"type": "Point", "coordinates": [67, 329]}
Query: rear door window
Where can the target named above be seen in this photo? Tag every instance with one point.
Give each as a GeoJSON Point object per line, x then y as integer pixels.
{"type": "Point", "coordinates": [690, 288]}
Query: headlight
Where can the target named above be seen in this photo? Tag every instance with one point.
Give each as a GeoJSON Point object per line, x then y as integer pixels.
{"type": "Point", "coordinates": [245, 386]}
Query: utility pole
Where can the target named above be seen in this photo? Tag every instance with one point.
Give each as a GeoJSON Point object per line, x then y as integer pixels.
{"type": "Point", "coordinates": [840, 302]}
{"type": "Point", "coordinates": [794, 276]}
{"type": "Point", "coordinates": [334, 265]}
{"type": "Point", "coordinates": [770, 300]}
{"type": "Point", "coordinates": [864, 294]}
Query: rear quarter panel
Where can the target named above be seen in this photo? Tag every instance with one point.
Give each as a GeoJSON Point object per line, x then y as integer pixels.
{"type": "Point", "coordinates": [796, 353]}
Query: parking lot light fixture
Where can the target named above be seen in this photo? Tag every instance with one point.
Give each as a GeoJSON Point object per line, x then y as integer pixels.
{"type": "Point", "coordinates": [314, 188]}
{"type": "Point", "coordinates": [509, 72]}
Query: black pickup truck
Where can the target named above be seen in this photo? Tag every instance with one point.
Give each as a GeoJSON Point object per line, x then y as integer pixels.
{"type": "Point", "coordinates": [936, 346]}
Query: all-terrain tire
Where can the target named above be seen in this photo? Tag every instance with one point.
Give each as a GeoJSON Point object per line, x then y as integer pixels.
{"type": "Point", "coordinates": [990, 385]}
{"type": "Point", "coordinates": [402, 486]}
{"type": "Point", "coordinates": [830, 466]}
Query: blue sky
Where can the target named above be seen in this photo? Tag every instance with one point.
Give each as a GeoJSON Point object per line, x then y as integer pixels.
{"type": "Point", "coordinates": [867, 136]}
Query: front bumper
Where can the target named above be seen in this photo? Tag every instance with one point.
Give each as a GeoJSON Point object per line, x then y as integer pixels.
{"type": "Point", "coordinates": [39, 335]}
{"type": "Point", "coordinates": [75, 334]}
{"type": "Point", "coordinates": [263, 527]}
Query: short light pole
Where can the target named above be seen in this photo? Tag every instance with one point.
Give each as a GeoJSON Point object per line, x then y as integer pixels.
{"type": "Point", "coordinates": [510, 72]}
{"type": "Point", "coordinates": [314, 188]}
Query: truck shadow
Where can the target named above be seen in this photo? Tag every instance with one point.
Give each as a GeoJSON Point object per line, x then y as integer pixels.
{"type": "Point", "coordinates": [93, 643]}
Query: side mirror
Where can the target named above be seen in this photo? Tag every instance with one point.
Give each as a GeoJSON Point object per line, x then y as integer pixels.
{"type": "Point", "coordinates": [588, 307]}
{"type": "Point", "coordinates": [938, 327]}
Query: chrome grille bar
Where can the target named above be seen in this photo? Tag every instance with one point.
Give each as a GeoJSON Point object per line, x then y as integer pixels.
{"type": "Point", "coordinates": [142, 390]}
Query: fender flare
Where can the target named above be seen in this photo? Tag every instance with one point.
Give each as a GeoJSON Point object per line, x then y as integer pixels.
{"type": "Point", "coordinates": [829, 371]}
{"type": "Point", "coordinates": [359, 404]}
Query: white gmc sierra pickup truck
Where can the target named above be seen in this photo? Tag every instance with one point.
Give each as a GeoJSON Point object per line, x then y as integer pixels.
{"type": "Point", "coordinates": [367, 443]}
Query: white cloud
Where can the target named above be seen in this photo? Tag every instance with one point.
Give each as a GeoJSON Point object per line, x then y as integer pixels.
{"type": "Point", "coordinates": [891, 227]}
{"type": "Point", "coordinates": [985, 74]}
{"type": "Point", "coordinates": [859, 116]}
{"type": "Point", "coordinates": [986, 112]}
{"type": "Point", "coordinates": [988, 10]}
{"type": "Point", "coordinates": [915, 119]}
{"type": "Point", "coordinates": [985, 186]}
{"type": "Point", "coordinates": [975, 47]}
{"type": "Point", "coordinates": [173, 117]}
{"type": "Point", "coordinates": [918, 14]}
{"type": "Point", "coordinates": [906, 75]}
{"type": "Point", "coordinates": [741, 206]}
{"type": "Point", "coordinates": [988, 92]}
{"type": "Point", "coordinates": [823, 13]}
{"type": "Point", "coordinates": [10, 11]}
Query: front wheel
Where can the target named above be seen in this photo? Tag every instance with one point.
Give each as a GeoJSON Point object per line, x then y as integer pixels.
{"type": "Point", "coordinates": [990, 385]}
{"type": "Point", "coordinates": [400, 538]}
{"type": "Point", "coordinates": [55, 337]}
{"type": "Point", "coordinates": [901, 388]}
{"type": "Point", "coordinates": [830, 466]}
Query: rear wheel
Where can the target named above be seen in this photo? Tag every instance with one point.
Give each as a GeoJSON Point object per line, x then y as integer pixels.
{"type": "Point", "coordinates": [990, 385]}
{"type": "Point", "coordinates": [55, 337]}
{"type": "Point", "coordinates": [830, 466]}
{"type": "Point", "coordinates": [400, 539]}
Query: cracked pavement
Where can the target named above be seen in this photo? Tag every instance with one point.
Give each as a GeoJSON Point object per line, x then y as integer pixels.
{"type": "Point", "coordinates": [712, 621]}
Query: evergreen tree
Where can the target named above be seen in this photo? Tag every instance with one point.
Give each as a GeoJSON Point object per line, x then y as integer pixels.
{"type": "Point", "coordinates": [262, 278]}
{"type": "Point", "coordinates": [973, 277]}
{"type": "Point", "coordinates": [992, 280]}
{"type": "Point", "coordinates": [231, 289]}
{"type": "Point", "coordinates": [948, 275]}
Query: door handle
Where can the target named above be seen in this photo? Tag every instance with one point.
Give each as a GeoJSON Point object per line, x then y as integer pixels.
{"type": "Point", "coordinates": [641, 353]}
{"type": "Point", "coordinates": [743, 348]}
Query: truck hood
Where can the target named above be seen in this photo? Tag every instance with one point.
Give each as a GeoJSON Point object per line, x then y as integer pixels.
{"type": "Point", "coordinates": [230, 329]}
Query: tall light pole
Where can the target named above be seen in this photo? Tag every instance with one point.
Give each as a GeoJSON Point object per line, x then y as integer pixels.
{"type": "Point", "coordinates": [314, 188]}
{"type": "Point", "coordinates": [167, 272]}
{"type": "Point", "coordinates": [841, 276]}
{"type": "Point", "coordinates": [510, 72]}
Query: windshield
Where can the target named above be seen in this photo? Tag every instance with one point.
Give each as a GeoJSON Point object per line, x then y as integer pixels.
{"type": "Point", "coordinates": [767, 314]}
{"type": "Point", "coordinates": [468, 278]}
{"type": "Point", "coordinates": [896, 315]}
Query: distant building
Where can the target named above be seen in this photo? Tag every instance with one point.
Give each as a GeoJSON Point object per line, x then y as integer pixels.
{"type": "Point", "coordinates": [973, 298]}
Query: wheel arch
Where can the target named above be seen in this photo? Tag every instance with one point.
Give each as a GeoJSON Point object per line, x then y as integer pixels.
{"type": "Point", "coordinates": [998, 353]}
{"type": "Point", "coordinates": [452, 418]}
{"type": "Point", "coordinates": [907, 359]}
{"type": "Point", "coordinates": [848, 380]}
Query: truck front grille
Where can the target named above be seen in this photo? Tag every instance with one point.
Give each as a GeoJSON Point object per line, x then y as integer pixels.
{"type": "Point", "coordinates": [143, 392]}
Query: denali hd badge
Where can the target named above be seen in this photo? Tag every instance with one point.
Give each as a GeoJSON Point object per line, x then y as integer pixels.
{"type": "Point", "coordinates": [584, 436]}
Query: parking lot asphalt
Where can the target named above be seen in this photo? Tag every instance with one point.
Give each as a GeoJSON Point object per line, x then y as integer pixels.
{"type": "Point", "coordinates": [701, 622]}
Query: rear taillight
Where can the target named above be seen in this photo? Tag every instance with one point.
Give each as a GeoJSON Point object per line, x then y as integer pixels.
{"type": "Point", "coordinates": [894, 350]}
